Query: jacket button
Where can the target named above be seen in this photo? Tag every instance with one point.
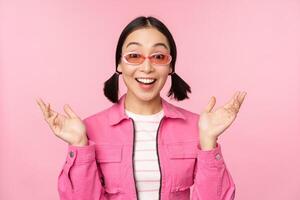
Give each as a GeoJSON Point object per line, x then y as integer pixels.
{"type": "Point", "coordinates": [71, 154]}
{"type": "Point", "coordinates": [218, 156]}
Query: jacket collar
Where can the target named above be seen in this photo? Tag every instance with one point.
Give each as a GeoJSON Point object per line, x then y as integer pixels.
{"type": "Point", "coordinates": [117, 111]}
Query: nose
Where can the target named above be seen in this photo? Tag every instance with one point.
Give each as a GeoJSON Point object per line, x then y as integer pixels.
{"type": "Point", "coordinates": [146, 66]}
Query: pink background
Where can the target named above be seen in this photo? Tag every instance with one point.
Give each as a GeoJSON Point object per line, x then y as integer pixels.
{"type": "Point", "coordinates": [63, 51]}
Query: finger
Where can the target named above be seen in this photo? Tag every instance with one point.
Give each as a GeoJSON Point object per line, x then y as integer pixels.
{"type": "Point", "coordinates": [232, 110]}
{"type": "Point", "coordinates": [69, 111]}
{"type": "Point", "coordinates": [47, 114]}
{"type": "Point", "coordinates": [237, 101]}
{"type": "Point", "coordinates": [235, 96]}
{"type": "Point", "coordinates": [38, 102]}
{"type": "Point", "coordinates": [42, 107]}
{"type": "Point", "coordinates": [52, 118]}
{"type": "Point", "coordinates": [231, 101]}
{"type": "Point", "coordinates": [48, 110]}
{"type": "Point", "coordinates": [236, 105]}
{"type": "Point", "coordinates": [242, 97]}
{"type": "Point", "coordinates": [42, 103]}
{"type": "Point", "coordinates": [210, 104]}
{"type": "Point", "coordinates": [55, 118]}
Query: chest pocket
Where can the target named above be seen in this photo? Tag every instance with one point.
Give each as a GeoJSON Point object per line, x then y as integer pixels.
{"type": "Point", "coordinates": [109, 158]}
{"type": "Point", "coordinates": [182, 159]}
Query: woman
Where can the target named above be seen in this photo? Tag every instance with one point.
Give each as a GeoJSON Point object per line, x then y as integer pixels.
{"type": "Point", "coordinates": [143, 147]}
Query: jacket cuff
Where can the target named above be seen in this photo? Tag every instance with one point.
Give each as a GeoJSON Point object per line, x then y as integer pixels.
{"type": "Point", "coordinates": [80, 155]}
{"type": "Point", "coordinates": [213, 157]}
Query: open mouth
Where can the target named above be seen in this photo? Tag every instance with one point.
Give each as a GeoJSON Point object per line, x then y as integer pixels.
{"type": "Point", "coordinates": [146, 81]}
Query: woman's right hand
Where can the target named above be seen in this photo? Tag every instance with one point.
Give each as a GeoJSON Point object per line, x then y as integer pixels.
{"type": "Point", "coordinates": [69, 128]}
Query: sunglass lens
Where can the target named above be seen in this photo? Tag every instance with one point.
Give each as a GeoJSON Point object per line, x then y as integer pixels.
{"type": "Point", "coordinates": [160, 59]}
{"type": "Point", "coordinates": [134, 58]}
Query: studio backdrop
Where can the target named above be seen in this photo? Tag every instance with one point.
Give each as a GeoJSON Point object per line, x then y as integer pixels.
{"type": "Point", "coordinates": [63, 51]}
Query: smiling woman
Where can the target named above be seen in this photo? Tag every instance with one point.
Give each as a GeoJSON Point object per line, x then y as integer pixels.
{"type": "Point", "coordinates": [146, 38]}
{"type": "Point", "coordinates": [135, 76]}
{"type": "Point", "coordinates": [143, 147]}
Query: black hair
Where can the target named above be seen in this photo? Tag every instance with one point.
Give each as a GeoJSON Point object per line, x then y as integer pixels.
{"type": "Point", "coordinates": [179, 87]}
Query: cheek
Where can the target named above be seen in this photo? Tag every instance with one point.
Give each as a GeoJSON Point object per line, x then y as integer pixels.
{"type": "Point", "coordinates": [127, 75]}
{"type": "Point", "coordinates": [163, 80]}
{"type": "Point", "coordinates": [164, 73]}
{"type": "Point", "coordinates": [163, 77]}
{"type": "Point", "coordinates": [128, 71]}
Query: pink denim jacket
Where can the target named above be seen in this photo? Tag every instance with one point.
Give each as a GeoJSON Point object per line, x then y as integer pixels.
{"type": "Point", "coordinates": [104, 169]}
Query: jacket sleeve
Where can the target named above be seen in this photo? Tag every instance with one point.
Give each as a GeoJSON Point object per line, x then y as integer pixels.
{"type": "Point", "coordinates": [80, 177]}
{"type": "Point", "coordinates": [212, 180]}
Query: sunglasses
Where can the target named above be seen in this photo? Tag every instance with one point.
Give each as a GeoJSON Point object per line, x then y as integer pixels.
{"type": "Point", "coordinates": [135, 58]}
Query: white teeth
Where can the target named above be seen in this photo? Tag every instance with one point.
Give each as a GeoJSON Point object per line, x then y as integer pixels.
{"type": "Point", "coordinates": [146, 80]}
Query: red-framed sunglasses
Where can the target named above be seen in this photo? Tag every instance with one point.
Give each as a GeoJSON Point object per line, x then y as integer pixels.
{"type": "Point", "coordinates": [158, 58]}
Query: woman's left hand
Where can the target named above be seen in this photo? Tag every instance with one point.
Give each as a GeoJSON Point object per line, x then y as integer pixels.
{"type": "Point", "coordinates": [214, 123]}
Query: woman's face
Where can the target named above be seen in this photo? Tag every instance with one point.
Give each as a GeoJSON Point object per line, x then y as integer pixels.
{"type": "Point", "coordinates": [146, 41]}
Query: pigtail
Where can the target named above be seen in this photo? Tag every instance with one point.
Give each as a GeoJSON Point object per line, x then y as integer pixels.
{"type": "Point", "coordinates": [111, 88]}
{"type": "Point", "coordinates": [179, 88]}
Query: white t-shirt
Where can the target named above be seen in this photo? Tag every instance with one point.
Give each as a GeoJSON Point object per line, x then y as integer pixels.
{"type": "Point", "coordinates": [146, 167]}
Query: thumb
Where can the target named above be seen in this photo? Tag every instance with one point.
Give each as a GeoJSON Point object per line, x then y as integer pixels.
{"type": "Point", "coordinates": [69, 111]}
{"type": "Point", "coordinates": [210, 104]}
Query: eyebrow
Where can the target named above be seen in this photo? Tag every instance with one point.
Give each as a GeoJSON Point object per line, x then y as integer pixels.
{"type": "Point", "coordinates": [155, 45]}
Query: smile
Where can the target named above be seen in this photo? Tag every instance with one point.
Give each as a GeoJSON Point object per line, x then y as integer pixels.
{"type": "Point", "coordinates": [146, 81]}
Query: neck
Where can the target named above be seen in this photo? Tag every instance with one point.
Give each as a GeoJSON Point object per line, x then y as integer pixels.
{"type": "Point", "coordinates": [138, 106]}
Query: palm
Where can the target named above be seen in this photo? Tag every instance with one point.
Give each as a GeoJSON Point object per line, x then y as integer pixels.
{"type": "Point", "coordinates": [213, 123]}
{"type": "Point", "coordinates": [69, 127]}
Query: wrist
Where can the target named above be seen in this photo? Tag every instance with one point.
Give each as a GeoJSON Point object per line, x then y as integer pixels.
{"type": "Point", "coordinates": [207, 143]}
{"type": "Point", "coordinates": [81, 143]}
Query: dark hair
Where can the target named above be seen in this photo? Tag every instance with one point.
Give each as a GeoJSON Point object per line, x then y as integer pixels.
{"type": "Point", "coordinates": [179, 87]}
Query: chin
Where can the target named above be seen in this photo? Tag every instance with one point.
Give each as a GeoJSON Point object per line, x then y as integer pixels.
{"type": "Point", "coordinates": [146, 96]}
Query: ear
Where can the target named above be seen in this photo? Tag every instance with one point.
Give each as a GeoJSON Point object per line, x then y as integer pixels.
{"type": "Point", "coordinates": [119, 68]}
{"type": "Point", "coordinates": [170, 69]}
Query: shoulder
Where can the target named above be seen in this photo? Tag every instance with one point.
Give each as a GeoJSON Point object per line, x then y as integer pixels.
{"type": "Point", "coordinates": [188, 114]}
{"type": "Point", "coordinates": [96, 123]}
{"type": "Point", "coordinates": [99, 116]}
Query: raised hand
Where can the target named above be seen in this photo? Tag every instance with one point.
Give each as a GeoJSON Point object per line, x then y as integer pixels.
{"type": "Point", "coordinates": [69, 127]}
{"type": "Point", "coordinates": [214, 123]}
